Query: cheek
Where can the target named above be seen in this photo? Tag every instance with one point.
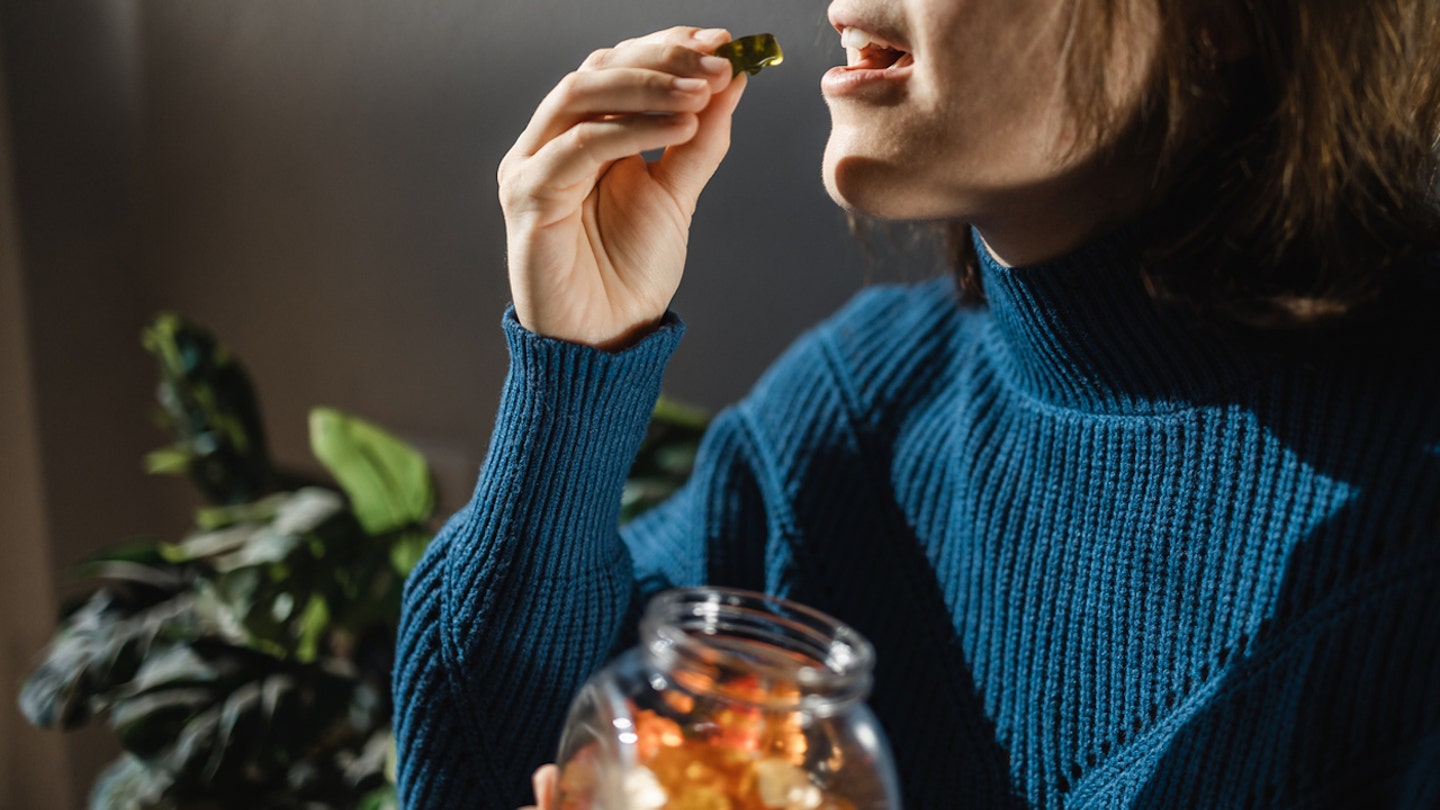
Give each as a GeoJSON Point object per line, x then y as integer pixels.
{"type": "Point", "coordinates": [910, 158]}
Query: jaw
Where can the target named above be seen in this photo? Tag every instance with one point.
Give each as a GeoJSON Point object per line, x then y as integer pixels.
{"type": "Point", "coordinates": [878, 186]}
{"type": "Point", "coordinates": [878, 163]}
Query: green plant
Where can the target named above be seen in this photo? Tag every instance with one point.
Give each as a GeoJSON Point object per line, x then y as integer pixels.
{"type": "Point", "coordinates": [665, 458]}
{"type": "Point", "coordinates": [248, 664]}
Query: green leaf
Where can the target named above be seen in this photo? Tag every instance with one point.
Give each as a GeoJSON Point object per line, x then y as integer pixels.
{"type": "Point", "coordinates": [306, 510]}
{"type": "Point", "coordinates": [209, 518]}
{"type": "Point", "coordinates": [145, 552]}
{"type": "Point", "coordinates": [172, 460]}
{"type": "Point", "coordinates": [130, 784]}
{"type": "Point", "coordinates": [387, 481]}
{"type": "Point", "coordinates": [219, 717]}
{"type": "Point", "coordinates": [261, 548]}
{"type": "Point", "coordinates": [210, 544]}
{"type": "Point", "coordinates": [392, 759]}
{"type": "Point", "coordinates": [208, 406]}
{"type": "Point", "coordinates": [291, 516]}
{"type": "Point", "coordinates": [670, 411]}
{"type": "Point", "coordinates": [314, 622]}
{"type": "Point", "coordinates": [380, 799]}
{"type": "Point", "coordinates": [171, 665]}
{"type": "Point", "coordinates": [666, 456]}
{"type": "Point", "coordinates": [242, 603]}
{"type": "Point", "coordinates": [167, 580]}
{"type": "Point", "coordinates": [677, 460]}
{"type": "Point", "coordinates": [407, 549]}
{"type": "Point", "coordinates": [150, 722]}
{"type": "Point", "coordinates": [370, 765]}
{"type": "Point", "coordinates": [98, 648]}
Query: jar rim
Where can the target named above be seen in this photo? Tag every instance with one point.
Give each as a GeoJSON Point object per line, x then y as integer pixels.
{"type": "Point", "coordinates": [827, 662]}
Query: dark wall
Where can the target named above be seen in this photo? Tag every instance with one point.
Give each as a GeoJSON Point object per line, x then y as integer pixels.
{"type": "Point", "coordinates": [79, 388]}
{"type": "Point", "coordinates": [26, 594]}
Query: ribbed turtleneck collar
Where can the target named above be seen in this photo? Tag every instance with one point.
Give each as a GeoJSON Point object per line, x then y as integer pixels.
{"type": "Point", "coordinates": [1082, 332]}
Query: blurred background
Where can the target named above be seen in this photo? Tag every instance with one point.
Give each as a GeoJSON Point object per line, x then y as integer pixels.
{"type": "Point", "coordinates": [314, 180]}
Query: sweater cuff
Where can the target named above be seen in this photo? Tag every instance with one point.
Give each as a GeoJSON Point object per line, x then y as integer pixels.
{"type": "Point", "coordinates": [572, 418]}
{"type": "Point", "coordinates": [580, 374]}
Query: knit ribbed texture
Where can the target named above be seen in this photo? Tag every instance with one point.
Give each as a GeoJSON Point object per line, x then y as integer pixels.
{"type": "Point", "coordinates": [517, 599]}
{"type": "Point", "coordinates": [1106, 560]}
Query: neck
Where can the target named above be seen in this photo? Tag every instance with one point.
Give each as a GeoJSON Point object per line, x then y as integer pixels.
{"type": "Point", "coordinates": [1050, 220]}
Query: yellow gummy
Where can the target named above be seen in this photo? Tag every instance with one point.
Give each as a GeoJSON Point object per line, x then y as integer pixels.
{"type": "Point", "coordinates": [752, 53]}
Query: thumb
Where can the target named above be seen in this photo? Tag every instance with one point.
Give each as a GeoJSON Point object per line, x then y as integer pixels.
{"type": "Point", "coordinates": [545, 782]}
{"type": "Point", "coordinates": [685, 169]}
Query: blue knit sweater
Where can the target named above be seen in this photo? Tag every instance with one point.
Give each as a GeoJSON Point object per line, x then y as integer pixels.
{"type": "Point", "coordinates": [1106, 560]}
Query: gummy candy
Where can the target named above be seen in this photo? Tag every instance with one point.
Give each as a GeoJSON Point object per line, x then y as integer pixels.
{"type": "Point", "coordinates": [714, 754]}
{"type": "Point", "coordinates": [752, 53]}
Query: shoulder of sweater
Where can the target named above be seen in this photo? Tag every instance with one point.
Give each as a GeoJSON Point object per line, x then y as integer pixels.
{"type": "Point", "coordinates": [881, 309]}
{"type": "Point", "coordinates": [891, 340]}
{"type": "Point", "coordinates": [886, 340]}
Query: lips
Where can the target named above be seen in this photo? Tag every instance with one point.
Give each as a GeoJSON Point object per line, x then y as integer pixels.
{"type": "Point", "coordinates": [878, 60]}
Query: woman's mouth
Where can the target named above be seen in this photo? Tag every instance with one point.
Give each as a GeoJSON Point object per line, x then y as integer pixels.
{"type": "Point", "coordinates": [875, 69]}
{"type": "Point", "coordinates": [866, 51]}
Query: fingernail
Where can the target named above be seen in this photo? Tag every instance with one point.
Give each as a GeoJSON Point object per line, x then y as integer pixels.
{"type": "Point", "coordinates": [714, 64]}
{"type": "Point", "coordinates": [710, 34]}
{"type": "Point", "coordinates": [690, 85]}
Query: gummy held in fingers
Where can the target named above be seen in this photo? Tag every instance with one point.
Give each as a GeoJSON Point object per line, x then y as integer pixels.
{"type": "Point", "coordinates": [752, 53]}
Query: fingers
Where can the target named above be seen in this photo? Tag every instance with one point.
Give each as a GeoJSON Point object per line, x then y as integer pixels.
{"type": "Point", "coordinates": [577, 156]}
{"type": "Point", "coordinates": [587, 95]}
{"type": "Point", "coordinates": [686, 168]}
{"type": "Point", "coordinates": [681, 59]}
{"type": "Point", "coordinates": [633, 77]}
{"type": "Point", "coordinates": [546, 780]}
{"type": "Point", "coordinates": [707, 38]}
{"type": "Point", "coordinates": [659, 91]}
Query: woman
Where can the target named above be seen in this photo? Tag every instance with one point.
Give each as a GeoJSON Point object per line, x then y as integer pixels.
{"type": "Point", "coordinates": [1151, 521]}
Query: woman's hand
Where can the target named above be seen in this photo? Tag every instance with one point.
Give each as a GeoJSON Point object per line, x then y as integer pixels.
{"type": "Point", "coordinates": [596, 235]}
{"type": "Point", "coordinates": [545, 781]}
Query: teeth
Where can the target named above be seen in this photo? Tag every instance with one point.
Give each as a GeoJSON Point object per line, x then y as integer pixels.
{"type": "Point", "coordinates": [856, 41]}
{"type": "Point", "coordinates": [855, 38]}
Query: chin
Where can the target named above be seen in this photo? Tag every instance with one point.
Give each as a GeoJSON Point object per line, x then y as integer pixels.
{"type": "Point", "coordinates": [854, 183]}
{"type": "Point", "coordinates": [876, 189]}
{"type": "Point", "coordinates": [878, 185]}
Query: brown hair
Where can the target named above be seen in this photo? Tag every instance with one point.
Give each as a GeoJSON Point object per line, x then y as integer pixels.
{"type": "Point", "coordinates": [1294, 145]}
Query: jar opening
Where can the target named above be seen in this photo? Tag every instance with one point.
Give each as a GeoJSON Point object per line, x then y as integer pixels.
{"type": "Point", "coordinates": [757, 649]}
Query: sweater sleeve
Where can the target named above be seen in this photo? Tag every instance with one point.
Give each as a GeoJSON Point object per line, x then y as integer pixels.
{"type": "Point", "coordinates": [522, 594]}
{"type": "Point", "coordinates": [532, 586]}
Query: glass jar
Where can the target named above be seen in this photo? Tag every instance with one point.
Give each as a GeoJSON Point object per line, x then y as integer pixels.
{"type": "Point", "coordinates": [733, 700]}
